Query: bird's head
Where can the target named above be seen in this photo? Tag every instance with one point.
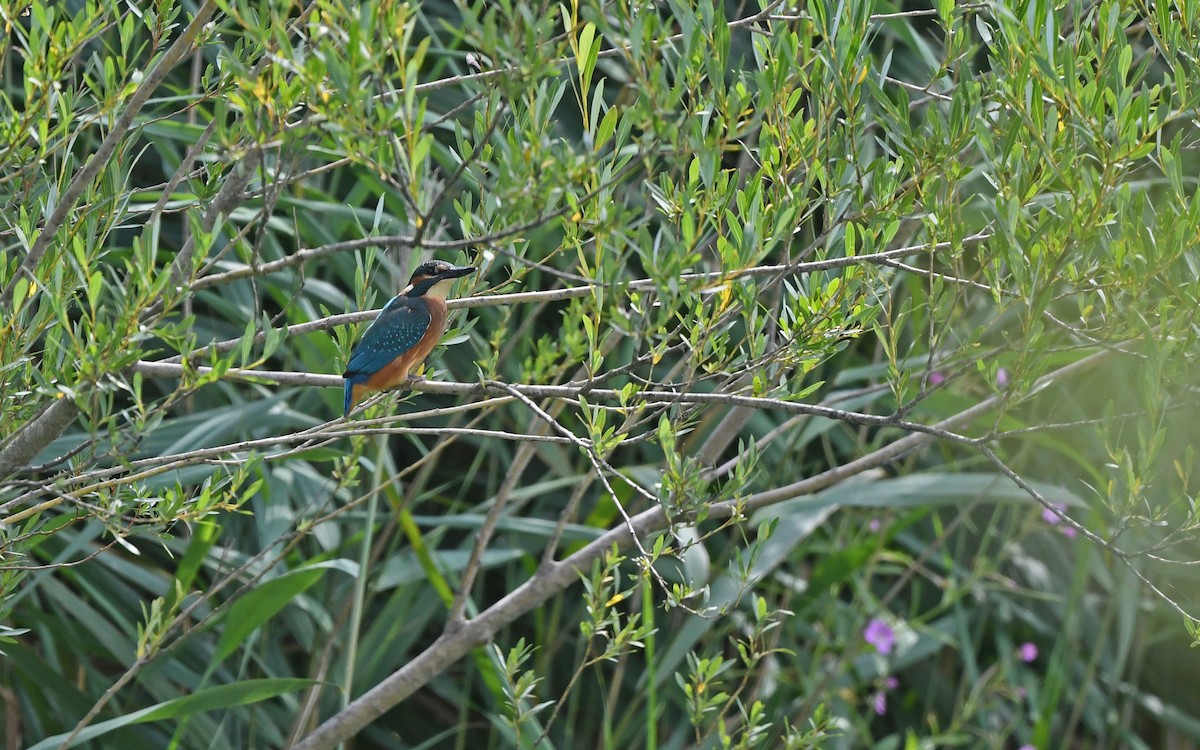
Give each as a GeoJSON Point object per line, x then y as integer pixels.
{"type": "Point", "coordinates": [433, 279]}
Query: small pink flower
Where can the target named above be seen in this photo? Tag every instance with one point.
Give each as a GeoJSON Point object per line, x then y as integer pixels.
{"type": "Point", "coordinates": [874, 525]}
{"type": "Point", "coordinates": [1026, 747]}
{"type": "Point", "coordinates": [891, 683]}
{"type": "Point", "coordinates": [1027, 652]}
{"type": "Point", "coordinates": [936, 378]}
{"type": "Point", "coordinates": [879, 635]}
{"type": "Point", "coordinates": [1002, 378]}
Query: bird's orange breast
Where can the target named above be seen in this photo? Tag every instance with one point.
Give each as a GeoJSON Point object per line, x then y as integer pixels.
{"type": "Point", "coordinates": [396, 372]}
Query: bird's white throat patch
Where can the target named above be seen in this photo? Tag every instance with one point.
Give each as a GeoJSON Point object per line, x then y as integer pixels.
{"type": "Point", "coordinates": [440, 289]}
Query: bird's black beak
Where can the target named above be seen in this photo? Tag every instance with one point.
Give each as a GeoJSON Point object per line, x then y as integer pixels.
{"type": "Point", "coordinates": [457, 271]}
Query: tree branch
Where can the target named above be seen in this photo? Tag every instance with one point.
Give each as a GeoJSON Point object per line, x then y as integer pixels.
{"type": "Point", "coordinates": [36, 435]}
{"type": "Point", "coordinates": [571, 392]}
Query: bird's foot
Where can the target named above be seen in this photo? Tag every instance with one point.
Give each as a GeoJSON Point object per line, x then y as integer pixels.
{"type": "Point", "coordinates": [404, 389]}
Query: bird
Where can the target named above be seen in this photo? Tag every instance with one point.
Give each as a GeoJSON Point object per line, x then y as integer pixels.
{"type": "Point", "coordinates": [406, 330]}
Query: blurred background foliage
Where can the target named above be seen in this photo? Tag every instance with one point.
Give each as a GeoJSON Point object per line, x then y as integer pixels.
{"type": "Point", "coordinates": [971, 224]}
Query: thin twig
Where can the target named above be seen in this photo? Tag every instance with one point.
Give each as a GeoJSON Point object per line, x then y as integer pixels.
{"type": "Point", "coordinates": [571, 392]}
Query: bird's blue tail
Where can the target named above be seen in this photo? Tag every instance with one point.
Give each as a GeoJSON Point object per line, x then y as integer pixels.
{"type": "Point", "coordinates": [348, 400]}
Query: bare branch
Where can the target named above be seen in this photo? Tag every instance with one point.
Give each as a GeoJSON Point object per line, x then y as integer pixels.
{"type": "Point", "coordinates": [36, 435]}
{"type": "Point", "coordinates": [570, 392]}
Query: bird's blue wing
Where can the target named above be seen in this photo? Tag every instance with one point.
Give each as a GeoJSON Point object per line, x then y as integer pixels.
{"type": "Point", "coordinates": [397, 329]}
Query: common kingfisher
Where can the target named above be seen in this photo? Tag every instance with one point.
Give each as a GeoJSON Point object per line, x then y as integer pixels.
{"type": "Point", "coordinates": [404, 333]}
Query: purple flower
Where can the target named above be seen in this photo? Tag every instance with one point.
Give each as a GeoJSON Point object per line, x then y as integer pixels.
{"type": "Point", "coordinates": [1027, 652]}
{"type": "Point", "coordinates": [1050, 517]}
{"type": "Point", "coordinates": [874, 525]}
{"type": "Point", "coordinates": [1026, 747]}
{"type": "Point", "coordinates": [879, 635]}
{"type": "Point", "coordinates": [936, 378]}
{"type": "Point", "coordinates": [879, 697]}
{"type": "Point", "coordinates": [1002, 378]}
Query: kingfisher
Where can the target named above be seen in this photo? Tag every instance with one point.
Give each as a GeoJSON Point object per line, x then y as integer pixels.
{"type": "Point", "coordinates": [404, 333]}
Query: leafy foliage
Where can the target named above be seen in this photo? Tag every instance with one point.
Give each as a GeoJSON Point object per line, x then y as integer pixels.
{"type": "Point", "coordinates": [789, 320]}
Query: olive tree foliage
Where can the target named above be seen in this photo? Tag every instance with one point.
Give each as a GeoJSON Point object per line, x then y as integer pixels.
{"type": "Point", "coordinates": [789, 316]}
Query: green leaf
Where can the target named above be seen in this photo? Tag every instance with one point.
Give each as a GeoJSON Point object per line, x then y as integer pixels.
{"type": "Point", "coordinates": [258, 606]}
{"type": "Point", "coordinates": [608, 125]}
